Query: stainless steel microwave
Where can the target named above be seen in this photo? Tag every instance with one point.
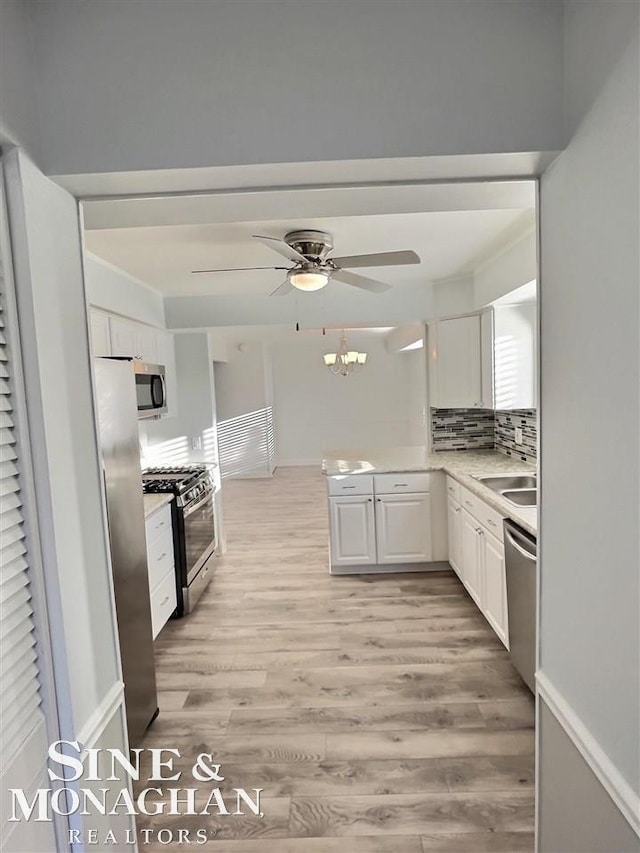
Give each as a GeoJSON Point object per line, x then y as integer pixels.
{"type": "Point", "coordinates": [151, 389]}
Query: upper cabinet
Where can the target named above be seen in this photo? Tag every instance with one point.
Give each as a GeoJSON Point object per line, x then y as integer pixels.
{"type": "Point", "coordinates": [513, 355]}
{"type": "Point", "coordinates": [485, 360]}
{"type": "Point", "coordinates": [112, 335]}
{"type": "Point", "coordinates": [100, 334]}
{"type": "Point", "coordinates": [455, 358]}
{"type": "Point", "coordinates": [133, 339]}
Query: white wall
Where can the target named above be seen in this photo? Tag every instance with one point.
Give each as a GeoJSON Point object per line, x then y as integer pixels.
{"type": "Point", "coordinates": [515, 265]}
{"type": "Point", "coordinates": [169, 440]}
{"type": "Point", "coordinates": [18, 84]}
{"type": "Point", "coordinates": [112, 289]}
{"type": "Point", "coordinates": [590, 269]}
{"type": "Point", "coordinates": [316, 411]}
{"type": "Point", "coordinates": [338, 305]}
{"type": "Point", "coordinates": [188, 83]}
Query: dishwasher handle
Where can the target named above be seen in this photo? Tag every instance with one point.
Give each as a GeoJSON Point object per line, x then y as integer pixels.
{"type": "Point", "coordinates": [523, 544]}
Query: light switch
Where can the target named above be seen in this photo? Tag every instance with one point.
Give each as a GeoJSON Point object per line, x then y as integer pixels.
{"type": "Point", "coordinates": [196, 442]}
{"type": "Point", "coordinates": [518, 437]}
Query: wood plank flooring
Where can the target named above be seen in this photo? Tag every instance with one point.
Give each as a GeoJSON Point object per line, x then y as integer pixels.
{"type": "Point", "coordinates": [378, 714]}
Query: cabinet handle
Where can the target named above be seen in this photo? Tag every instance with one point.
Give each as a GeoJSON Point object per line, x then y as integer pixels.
{"type": "Point", "coordinates": [492, 523]}
{"type": "Point", "coordinates": [370, 500]}
{"type": "Point", "coordinates": [479, 531]}
{"type": "Point", "coordinates": [164, 601]}
{"type": "Point", "coordinates": [457, 509]}
{"type": "Point", "coordinates": [468, 503]}
{"type": "Point", "coordinates": [400, 485]}
{"type": "Point", "coordinates": [162, 556]}
{"type": "Point", "coordinates": [348, 487]}
{"type": "Point", "coordinates": [379, 499]}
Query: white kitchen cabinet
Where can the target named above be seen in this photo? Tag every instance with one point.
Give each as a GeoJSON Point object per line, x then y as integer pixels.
{"type": "Point", "coordinates": [454, 531]}
{"type": "Point", "coordinates": [352, 530]}
{"type": "Point", "coordinates": [100, 333]}
{"type": "Point", "coordinates": [161, 567]}
{"type": "Point", "coordinates": [455, 373]}
{"type": "Point", "coordinates": [403, 528]}
{"type": "Point", "coordinates": [495, 586]}
{"type": "Point", "coordinates": [509, 339]}
{"type": "Point", "coordinates": [134, 340]}
{"type": "Point", "coordinates": [471, 557]}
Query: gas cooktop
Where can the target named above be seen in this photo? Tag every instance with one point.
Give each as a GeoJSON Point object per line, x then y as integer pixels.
{"type": "Point", "coordinates": [171, 478]}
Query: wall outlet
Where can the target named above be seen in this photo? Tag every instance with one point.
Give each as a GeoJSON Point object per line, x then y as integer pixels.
{"type": "Point", "coordinates": [518, 436]}
{"type": "Point", "coordinates": [196, 442]}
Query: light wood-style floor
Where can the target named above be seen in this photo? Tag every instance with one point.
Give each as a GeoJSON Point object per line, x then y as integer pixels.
{"type": "Point", "coordinates": [380, 714]}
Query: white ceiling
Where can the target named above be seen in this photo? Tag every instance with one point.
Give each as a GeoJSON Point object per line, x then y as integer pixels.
{"type": "Point", "coordinates": [164, 256]}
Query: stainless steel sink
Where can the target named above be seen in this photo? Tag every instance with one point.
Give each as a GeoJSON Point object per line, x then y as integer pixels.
{"type": "Point", "coordinates": [502, 482]}
{"type": "Point", "coordinates": [521, 497]}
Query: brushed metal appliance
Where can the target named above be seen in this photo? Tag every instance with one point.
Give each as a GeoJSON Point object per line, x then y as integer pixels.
{"type": "Point", "coordinates": [151, 387]}
{"type": "Point", "coordinates": [118, 431]}
{"type": "Point", "coordinates": [520, 551]}
{"type": "Point", "coordinates": [194, 526]}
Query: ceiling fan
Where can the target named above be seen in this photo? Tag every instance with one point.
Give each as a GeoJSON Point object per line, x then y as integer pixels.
{"type": "Point", "coordinates": [313, 267]}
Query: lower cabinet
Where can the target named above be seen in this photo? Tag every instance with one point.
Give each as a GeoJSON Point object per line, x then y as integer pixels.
{"type": "Point", "coordinates": [477, 556]}
{"type": "Point", "coordinates": [403, 528]}
{"type": "Point", "coordinates": [495, 587]}
{"type": "Point", "coordinates": [161, 567]}
{"type": "Point", "coordinates": [352, 530]}
{"type": "Point", "coordinates": [454, 532]}
{"type": "Point", "coordinates": [388, 524]}
{"type": "Point", "coordinates": [472, 557]}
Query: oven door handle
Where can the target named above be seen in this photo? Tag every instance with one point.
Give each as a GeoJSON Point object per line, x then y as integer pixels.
{"type": "Point", "coordinates": [193, 507]}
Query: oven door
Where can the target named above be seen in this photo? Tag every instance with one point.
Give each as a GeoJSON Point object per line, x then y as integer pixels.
{"type": "Point", "coordinates": [199, 534]}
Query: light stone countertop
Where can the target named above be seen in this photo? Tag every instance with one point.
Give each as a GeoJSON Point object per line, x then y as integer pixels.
{"type": "Point", "coordinates": [459, 464]}
{"type": "Point", "coordinates": [152, 503]}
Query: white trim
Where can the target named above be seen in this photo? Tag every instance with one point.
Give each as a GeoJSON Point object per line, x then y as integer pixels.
{"type": "Point", "coordinates": [620, 791]}
{"type": "Point", "coordinates": [101, 716]}
{"type": "Point", "coordinates": [297, 463]}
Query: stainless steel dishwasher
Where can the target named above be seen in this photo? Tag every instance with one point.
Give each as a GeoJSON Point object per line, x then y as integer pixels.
{"type": "Point", "coordinates": [520, 551]}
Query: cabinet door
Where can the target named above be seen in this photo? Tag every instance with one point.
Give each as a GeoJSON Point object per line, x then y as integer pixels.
{"type": "Point", "coordinates": [146, 343]}
{"type": "Point", "coordinates": [403, 528]}
{"type": "Point", "coordinates": [456, 363]}
{"type": "Point", "coordinates": [471, 556]}
{"type": "Point", "coordinates": [454, 533]}
{"type": "Point", "coordinates": [495, 585]}
{"type": "Point", "coordinates": [352, 531]}
{"type": "Point", "coordinates": [123, 337]}
{"type": "Point", "coordinates": [100, 337]}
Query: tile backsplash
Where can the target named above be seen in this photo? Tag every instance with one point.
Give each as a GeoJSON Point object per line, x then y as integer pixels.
{"type": "Point", "coordinates": [506, 423]}
{"type": "Point", "coordinates": [484, 429]}
{"type": "Point", "coordinates": [463, 429]}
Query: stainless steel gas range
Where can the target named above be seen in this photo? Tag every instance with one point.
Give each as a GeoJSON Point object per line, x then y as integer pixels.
{"type": "Point", "coordinates": [194, 526]}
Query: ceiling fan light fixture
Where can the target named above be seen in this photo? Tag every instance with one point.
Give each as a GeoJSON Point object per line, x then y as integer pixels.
{"type": "Point", "coordinates": [309, 280]}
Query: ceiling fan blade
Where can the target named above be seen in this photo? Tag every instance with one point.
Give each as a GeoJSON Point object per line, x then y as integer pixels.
{"type": "Point", "coordinates": [283, 289]}
{"type": "Point", "coordinates": [378, 259]}
{"type": "Point", "coordinates": [239, 269]}
{"type": "Point", "coordinates": [361, 281]}
{"type": "Point", "coordinates": [280, 247]}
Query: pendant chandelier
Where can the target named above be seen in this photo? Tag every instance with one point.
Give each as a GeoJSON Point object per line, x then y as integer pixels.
{"type": "Point", "coordinates": [345, 361]}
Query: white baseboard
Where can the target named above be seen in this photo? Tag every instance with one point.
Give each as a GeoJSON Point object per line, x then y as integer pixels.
{"type": "Point", "coordinates": [623, 795]}
{"type": "Point", "coordinates": [298, 463]}
{"type": "Point", "coordinates": [101, 716]}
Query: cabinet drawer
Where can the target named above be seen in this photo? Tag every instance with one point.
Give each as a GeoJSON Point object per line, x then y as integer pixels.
{"type": "Point", "coordinates": [163, 602]}
{"type": "Point", "coordinates": [485, 514]}
{"type": "Point", "coordinates": [158, 523]}
{"type": "Point", "coordinates": [356, 484]}
{"type": "Point", "coordinates": [160, 558]}
{"type": "Point", "coordinates": [400, 484]}
{"type": "Point", "coordinates": [453, 488]}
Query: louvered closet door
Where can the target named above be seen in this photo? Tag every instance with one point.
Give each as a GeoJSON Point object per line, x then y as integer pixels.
{"type": "Point", "coordinates": [23, 742]}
